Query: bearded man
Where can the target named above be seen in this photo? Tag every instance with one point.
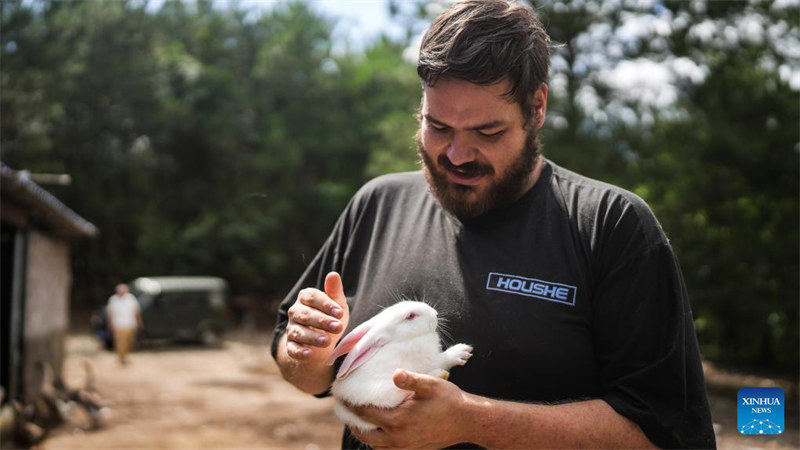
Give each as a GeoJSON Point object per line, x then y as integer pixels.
{"type": "Point", "coordinates": [566, 287]}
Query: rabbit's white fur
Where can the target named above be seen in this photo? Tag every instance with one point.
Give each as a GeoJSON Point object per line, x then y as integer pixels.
{"type": "Point", "coordinates": [402, 336]}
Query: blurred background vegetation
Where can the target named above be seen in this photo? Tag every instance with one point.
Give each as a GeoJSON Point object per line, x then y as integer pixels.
{"type": "Point", "coordinates": [224, 138]}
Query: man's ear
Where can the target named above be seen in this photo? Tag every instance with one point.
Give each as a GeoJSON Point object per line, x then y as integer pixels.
{"type": "Point", "coordinates": [539, 106]}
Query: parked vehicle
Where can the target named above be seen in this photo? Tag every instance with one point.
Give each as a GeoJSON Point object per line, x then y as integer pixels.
{"type": "Point", "coordinates": [175, 308]}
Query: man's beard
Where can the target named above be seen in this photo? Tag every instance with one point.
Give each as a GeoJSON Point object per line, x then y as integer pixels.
{"type": "Point", "coordinates": [456, 198]}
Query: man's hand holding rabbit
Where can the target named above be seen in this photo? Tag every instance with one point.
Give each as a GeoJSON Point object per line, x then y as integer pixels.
{"type": "Point", "coordinates": [424, 419]}
{"type": "Point", "coordinates": [317, 320]}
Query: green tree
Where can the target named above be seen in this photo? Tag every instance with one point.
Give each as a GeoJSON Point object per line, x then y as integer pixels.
{"type": "Point", "coordinates": [201, 139]}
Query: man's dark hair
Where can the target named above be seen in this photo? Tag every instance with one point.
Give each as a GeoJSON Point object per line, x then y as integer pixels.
{"type": "Point", "coordinates": [484, 41]}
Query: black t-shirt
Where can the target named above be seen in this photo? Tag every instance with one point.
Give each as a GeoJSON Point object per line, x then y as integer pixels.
{"type": "Point", "coordinates": [571, 293]}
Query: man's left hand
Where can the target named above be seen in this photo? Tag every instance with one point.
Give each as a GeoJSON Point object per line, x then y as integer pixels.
{"type": "Point", "coordinates": [427, 418]}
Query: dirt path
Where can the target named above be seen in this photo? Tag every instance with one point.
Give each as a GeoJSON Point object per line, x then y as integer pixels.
{"type": "Point", "coordinates": [234, 397]}
{"type": "Point", "coordinates": [192, 397]}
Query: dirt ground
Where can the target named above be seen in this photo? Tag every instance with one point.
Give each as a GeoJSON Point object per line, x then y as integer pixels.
{"type": "Point", "coordinates": [233, 397]}
{"type": "Point", "coordinates": [191, 397]}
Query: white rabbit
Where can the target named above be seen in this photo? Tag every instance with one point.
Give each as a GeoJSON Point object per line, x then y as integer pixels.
{"type": "Point", "coordinates": [402, 336]}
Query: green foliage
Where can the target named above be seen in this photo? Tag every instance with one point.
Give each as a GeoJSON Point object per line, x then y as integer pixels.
{"type": "Point", "coordinates": [200, 140]}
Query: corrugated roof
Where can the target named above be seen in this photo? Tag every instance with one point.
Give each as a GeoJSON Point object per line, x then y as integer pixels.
{"type": "Point", "coordinates": [46, 209]}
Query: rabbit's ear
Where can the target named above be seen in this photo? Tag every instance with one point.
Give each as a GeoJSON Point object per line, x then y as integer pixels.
{"type": "Point", "coordinates": [349, 341]}
{"type": "Point", "coordinates": [361, 353]}
{"type": "Point", "coordinates": [360, 345]}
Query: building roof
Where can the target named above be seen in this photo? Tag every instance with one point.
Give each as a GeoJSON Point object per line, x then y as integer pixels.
{"type": "Point", "coordinates": [42, 207]}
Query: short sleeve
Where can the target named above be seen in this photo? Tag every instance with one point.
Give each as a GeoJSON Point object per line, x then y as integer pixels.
{"type": "Point", "coordinates": [647, 352]}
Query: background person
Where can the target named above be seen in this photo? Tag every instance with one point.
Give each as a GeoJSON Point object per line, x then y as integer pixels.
{"type": "Point", "coordinates": [124, 319]}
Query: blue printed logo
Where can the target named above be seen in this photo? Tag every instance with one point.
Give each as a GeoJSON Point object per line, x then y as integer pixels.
{"type": "Point", "coordinates": [760, 411]}
{"type": "Point", "coordinates": [531, 287]}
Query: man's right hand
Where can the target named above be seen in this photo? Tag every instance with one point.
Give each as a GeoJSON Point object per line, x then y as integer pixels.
{"type": "Point", "coordinates": [316, 321]}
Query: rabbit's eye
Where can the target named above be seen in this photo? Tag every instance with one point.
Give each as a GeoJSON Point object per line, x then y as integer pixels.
{"type": "Point", "coordinates": [411, 316]}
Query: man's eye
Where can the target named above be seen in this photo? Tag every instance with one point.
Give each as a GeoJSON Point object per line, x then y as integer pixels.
{"type": "Point", "coordinates": [439, 129]}
{"type": "Point", "coordinates": [495, 134]}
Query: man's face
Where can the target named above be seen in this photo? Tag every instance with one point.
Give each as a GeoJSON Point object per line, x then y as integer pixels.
{"type": "Point", "coordinates": [477, 152]}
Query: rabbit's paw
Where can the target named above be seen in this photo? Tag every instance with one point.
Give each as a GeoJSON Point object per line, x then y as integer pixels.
{"type": "Point", "coordinates": [458, 354]}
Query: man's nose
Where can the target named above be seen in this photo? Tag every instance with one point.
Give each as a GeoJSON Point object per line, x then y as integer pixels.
{"type": "Point", "coordinates": [461, 150]}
